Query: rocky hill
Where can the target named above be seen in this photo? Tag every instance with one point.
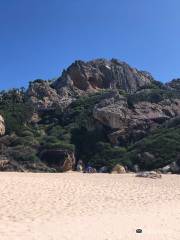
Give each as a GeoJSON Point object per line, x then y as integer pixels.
{"type": "Point", "coordinates": [83, 78]}
{"type": "Point", "coordinates": [102, 112]}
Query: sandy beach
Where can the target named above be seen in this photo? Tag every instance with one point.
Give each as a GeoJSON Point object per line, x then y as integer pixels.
{"type": "Point", "coordinates": [75, 206]}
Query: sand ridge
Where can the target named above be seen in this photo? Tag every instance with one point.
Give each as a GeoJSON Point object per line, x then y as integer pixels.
{"type": "Point", "coordinates": [88, 206]}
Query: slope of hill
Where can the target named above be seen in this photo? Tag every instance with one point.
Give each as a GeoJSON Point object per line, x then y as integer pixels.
{"type": "Point", "coordinates": [102, 112]}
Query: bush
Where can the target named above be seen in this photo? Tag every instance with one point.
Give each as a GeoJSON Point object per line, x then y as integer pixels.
{"type": "Point", "coordinates": [163, 144]}
{"type": "Point", "coordinates": [26, 133]}
{"type": "Point", "coordinates": [15, 110]}
{"type": "Point", "coordinates": [59, 145]}
{"type": "Point", "coordinates": [106, 155]}
{"type": "Point", "coordinates": [151, 95]}
{"type": "Point", "coordinates": [23, 154]}
{"type": "Point", "coordinates": [51, 142]}
{"type": "Point", "coordinates": [25, 141]}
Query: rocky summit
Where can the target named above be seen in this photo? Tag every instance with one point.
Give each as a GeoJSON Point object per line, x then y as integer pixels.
{"type": "Point", "coordinates": [83, 78]}
{"type": "Point", "coordinates": [102, 74]}
{"type": "Point", "coordinates": [102, 113]}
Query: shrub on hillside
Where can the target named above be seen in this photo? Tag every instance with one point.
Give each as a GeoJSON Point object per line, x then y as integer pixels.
{"type": "Point", "coordinates": [163, 144]}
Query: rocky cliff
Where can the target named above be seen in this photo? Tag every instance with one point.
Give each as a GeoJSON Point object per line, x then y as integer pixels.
{"type": "Point", "coordinates": [83, 78]}
{"type": "Point", "coordinates": [103, 112]}
{"type": "Point", "coordinates": [102, 74]}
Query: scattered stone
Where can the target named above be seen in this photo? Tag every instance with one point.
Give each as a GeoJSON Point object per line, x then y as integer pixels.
{"type": "Point", "coordinates": [103, 170]}
{"type": "Point", "coordinates": [151, 174]}
{"type": "Point", "coordinates": [165, 169]}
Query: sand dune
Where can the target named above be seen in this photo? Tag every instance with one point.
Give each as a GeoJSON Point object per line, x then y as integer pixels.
{"type": "Point", "coordinates": [95, 207]}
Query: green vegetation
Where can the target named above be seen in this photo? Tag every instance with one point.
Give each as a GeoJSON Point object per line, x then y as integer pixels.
{"type": "Point", "coordinates": [108, 156]}
{"type": "Point", "coordinates": [79, 113]}
{"type": "Point", "coordinates": [52, 142]}
{"type": "Point", "coordinates": [162, 144]}
{"type": "Point", "coordinates": [151, 95]}
{"type": "Point", "coordinates": [15, 110]}
{"type": "Point", "coordinates": [76, 130]}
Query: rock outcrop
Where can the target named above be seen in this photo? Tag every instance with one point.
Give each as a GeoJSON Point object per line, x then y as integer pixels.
{"type": "Point", "coordinates": [133, 122]}
{"type": "Point", "coordinates": [102, 74]}
{"type": "Point", "coordinates": [2, 126]}
{"type": "Point", "coordinates": [42, 95]}
{"type": "Point", "coordinates": [174, 84]}
{"type": "Point", "coordinates": [82, 78]}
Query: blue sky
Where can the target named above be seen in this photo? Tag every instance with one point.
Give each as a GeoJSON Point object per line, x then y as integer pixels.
{"type": "Point", "coordinates": [39, 38]}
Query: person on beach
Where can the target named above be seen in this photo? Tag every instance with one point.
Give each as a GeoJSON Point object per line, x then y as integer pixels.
{"type": "Point", "coordinates": [89, 169]}
{"type": "Point", "coordinates": [79, 167]}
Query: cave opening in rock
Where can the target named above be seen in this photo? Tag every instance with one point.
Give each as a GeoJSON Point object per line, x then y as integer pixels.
{"type": "Point", "coordinates": [54, 158]}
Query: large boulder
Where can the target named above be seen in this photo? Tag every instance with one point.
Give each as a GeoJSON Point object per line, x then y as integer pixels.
{"type": "Point", "coordinates": [165, 169]}
{"type": "Point", "coordinates": [171, 168]}
{"type": "Point", "coordinates": [119, 169]}
{"type": "Point", "coordinates": [127, 122]}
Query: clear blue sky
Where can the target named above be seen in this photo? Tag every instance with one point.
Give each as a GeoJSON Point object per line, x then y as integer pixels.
{"type": "Point", "coordinates": [38, 38]}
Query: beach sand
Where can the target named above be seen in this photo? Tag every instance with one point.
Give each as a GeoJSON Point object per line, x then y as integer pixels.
{"type": "Point", "coordinates": [74, 206]}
